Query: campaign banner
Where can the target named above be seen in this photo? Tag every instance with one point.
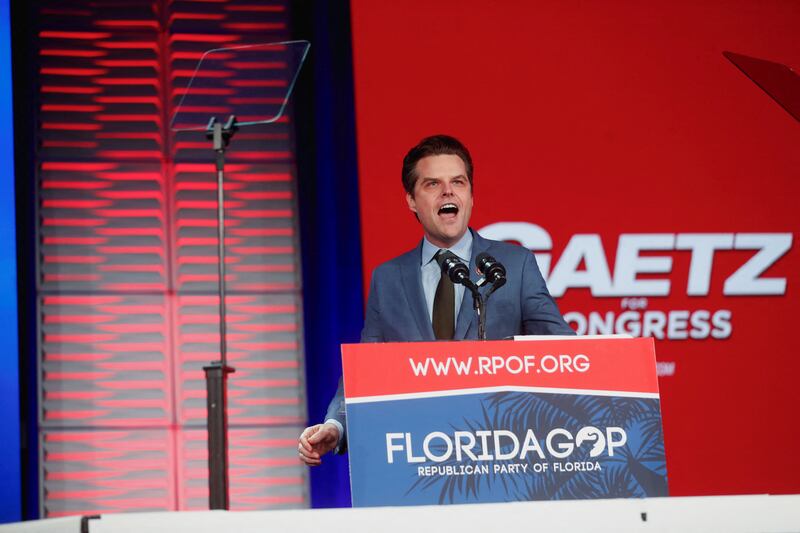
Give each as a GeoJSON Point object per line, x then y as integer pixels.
{"type": "Point", "coordinates": [531, 419]}
{"type": "Point", "coordinates": [654, 180]}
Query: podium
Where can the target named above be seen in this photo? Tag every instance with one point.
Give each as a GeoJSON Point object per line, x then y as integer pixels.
{"type": "Point", "coordinates": [535, 418]}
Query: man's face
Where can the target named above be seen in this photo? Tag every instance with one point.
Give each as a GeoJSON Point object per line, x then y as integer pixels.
{"type": "Point", "coordinates": [442, 198]}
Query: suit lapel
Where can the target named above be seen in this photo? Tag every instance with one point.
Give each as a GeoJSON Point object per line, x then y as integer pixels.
{"type": "Point", "coordinates": [467, 317]}
{"type": "Point", "coordinates": [412, 286]}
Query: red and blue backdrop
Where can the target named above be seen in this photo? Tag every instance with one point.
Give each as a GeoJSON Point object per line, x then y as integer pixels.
{"type": "Point", "coordinates": [654, 181]}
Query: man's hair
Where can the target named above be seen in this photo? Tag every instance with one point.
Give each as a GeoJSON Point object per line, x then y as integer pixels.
{"type": "Point", "coordinates": [433, 145]}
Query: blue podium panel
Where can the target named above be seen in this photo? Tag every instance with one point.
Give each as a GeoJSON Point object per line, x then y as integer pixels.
{"type": "Point", "coordinates": [503, 421]}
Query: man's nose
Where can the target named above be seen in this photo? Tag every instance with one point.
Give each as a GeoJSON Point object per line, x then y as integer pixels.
{"type": "Point", "coordinates": [447, 189]}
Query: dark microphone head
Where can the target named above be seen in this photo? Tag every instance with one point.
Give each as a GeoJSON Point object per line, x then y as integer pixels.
{"type": "Point", "coordinates": [491, 269]}
{"type": "Point", "coordinates": [453, 267]}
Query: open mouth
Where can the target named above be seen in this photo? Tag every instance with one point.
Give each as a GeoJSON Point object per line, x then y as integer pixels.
{"type": "Point", "coordinates": [448, 209]}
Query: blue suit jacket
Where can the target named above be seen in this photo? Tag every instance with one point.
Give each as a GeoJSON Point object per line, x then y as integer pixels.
{"type": "Point", "coordinates": [396, 309]}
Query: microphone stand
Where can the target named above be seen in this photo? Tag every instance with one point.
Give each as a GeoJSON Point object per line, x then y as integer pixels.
{"type": "Point", "coordinates": [479, 304]}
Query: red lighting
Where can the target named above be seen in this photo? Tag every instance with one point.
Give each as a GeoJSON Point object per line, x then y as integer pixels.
{"type": "Point", "coordinates": [255, 100]}
{"type": "Point", "coordinates": [71, 126]}
{"type": "Point", "coordinates": [262, 232]}
{"type": "Point", "coordinates": [129, 100]}
{"type": "Point", "coordinates": [130, 176]}
{"type": "Point", "coordinates": [205, 109]}
{"type": "Point", "coordinates": [130, 45]}
{"type": "Point", "coordinates": [70, 184]}
{"type": "Point", "coordinates": [75, 204]}
{"type": "Point", "coordinates": [81, 338]}
{"type": "Point", "coordinates": [261, 213]}
{"type": "Point", "coordinates": [255, 8]}
{"type": "Point", "coordinates": [130, 154]}
{"type": "Point", "coordinates": [128, 117]}
{"type": "Point", "coordinates": [203, 204]}
{"type": "Point", "coordinates": [257, 83]}
{"type": "Point", "coordinates": [128, 23]}
{"type": "Point", "coordinates": [178, 73]}
{"type": "Point", "coordinates": [127, 81]}
{"type": "Point", "coordinates": [132, 268]}
{"type": "Point", "coordinates": [258, 156]}
{"type": "Point", "coordinates": [203, 38]}
{"type": "Point", "coordinates": [82, 35]}
{"type": "Point", "coordinates": [196, 16]}
{"type": "Point", "coordinates": [76, 108]}
{"type": "Point", "coordinates": [81, 300]}
{"type": "Point", "coordinates": [77, 167]}
{"type": "Point", "coordinates": [263, 195]}
{"type": "Point", "coordinates": [259, 177]}
{"type": "Point", "coordinates": [187, 55]}
{"type": "Point", "coordinates": [266, 309]}
{"type": "Point", "coordinates": [74, 415]}
{"type": "Point", "coordinates": [133, 63]}
{"type": "Point", "coordinates": [70, 90]}
{"type": "Point", "coordinates": [208, 91]}
{"type": "Point", "coordinates": [69, 144]}
{"type": "Point", "coordinates": [254, 26]}
{"type": "Point", "coordinates": [72, 53]}
{"type": "Point", "coordinates": [205, 260]}
{"type": "Point", "coordinates": [206, 168]}
{"type": "Point", "coordinates": [158, 232]}
{"type": "Point", "coordinates": [73, 71]}
{"type": "Point", "coordinates": [130, 213]}
{"type": "Point", "coordinates": [76, 319]}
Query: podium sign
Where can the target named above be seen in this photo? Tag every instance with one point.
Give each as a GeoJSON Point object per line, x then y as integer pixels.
{"type": "Point", "coordinates": [537, 419]}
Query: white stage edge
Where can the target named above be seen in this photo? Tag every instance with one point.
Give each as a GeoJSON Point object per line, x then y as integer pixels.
{"type": "Point", "coordinates": [770, 514]}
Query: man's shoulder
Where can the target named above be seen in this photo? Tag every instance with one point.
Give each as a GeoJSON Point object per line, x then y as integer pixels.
{"type": "Point", "coordinates": [392, 266]}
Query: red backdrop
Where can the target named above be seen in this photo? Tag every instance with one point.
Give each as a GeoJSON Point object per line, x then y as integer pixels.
{"type": "Point", "coordinates": [593, 120]}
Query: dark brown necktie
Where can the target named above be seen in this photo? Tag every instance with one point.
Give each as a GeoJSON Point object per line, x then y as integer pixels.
{"type": "Point", "coordinates": [444, 308]}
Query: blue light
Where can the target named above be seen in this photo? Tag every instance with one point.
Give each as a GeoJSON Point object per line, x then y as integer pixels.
{"type": "Point", "coordinates": [10, 497]}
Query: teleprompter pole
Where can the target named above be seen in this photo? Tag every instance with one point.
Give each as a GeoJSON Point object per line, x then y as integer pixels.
{"type": "Point", "coordinates": [217, 371]}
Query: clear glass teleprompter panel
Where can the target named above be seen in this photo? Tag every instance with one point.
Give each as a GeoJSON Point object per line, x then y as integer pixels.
{"type": "Point", "coordinates": [252, 83]}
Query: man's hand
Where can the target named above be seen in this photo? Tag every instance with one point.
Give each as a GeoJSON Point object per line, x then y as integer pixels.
{"type": "Point", "coordinates": [316, 441]}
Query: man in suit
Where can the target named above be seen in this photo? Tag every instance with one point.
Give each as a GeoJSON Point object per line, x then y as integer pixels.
{"type": "Point", "coordinates": [409, 300]}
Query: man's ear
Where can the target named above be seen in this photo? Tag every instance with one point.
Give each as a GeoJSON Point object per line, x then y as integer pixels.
{"type": "Point", "coordinates": [412, 204]}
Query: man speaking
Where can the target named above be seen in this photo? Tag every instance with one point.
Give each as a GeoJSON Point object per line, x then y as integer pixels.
{"type": "Point", "coordinates": [410, 299]}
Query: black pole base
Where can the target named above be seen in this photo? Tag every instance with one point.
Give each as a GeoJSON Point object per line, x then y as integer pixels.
{"type": "Point", "coordinates": [216, 399]}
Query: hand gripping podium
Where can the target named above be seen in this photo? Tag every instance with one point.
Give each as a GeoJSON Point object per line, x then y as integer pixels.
{"type": "Point", "coordinates": [535, 418]}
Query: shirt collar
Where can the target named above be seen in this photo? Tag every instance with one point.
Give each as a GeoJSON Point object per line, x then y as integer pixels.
{"type": "Point", "coordinates": [463, 249]}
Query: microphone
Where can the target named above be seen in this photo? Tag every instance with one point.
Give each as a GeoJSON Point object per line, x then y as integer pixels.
{"type": "Point", "coordinates": [491, 269]}
{"type": "Point", "coordinates": [452, 266]}
{"type": "Point", "coordinates": [458, 272]}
